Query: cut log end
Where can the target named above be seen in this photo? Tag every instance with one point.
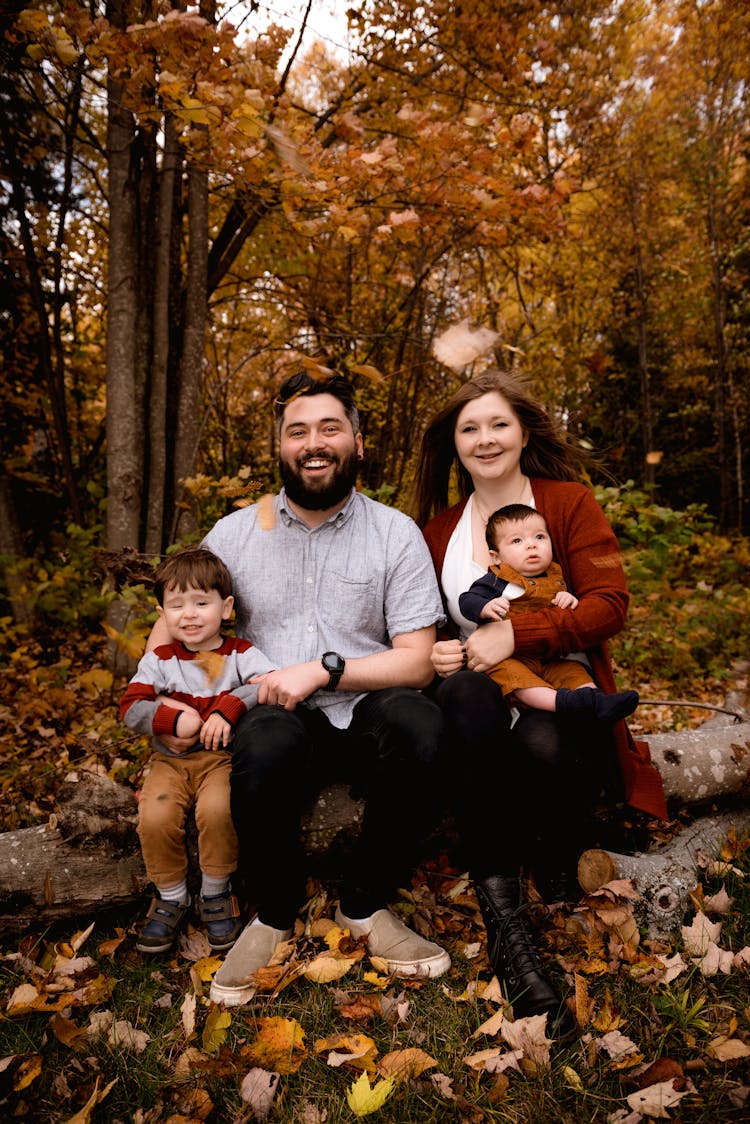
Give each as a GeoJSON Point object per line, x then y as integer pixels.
{"type": "Point", "coordinates": [595, 869]}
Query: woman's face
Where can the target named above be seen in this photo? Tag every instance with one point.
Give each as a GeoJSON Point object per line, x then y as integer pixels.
{"type": "Point", "coordinates": [489, 437]}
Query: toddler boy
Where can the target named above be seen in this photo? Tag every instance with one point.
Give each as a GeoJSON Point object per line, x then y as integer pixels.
{"type": "Point", "coordinates": [197, 686]}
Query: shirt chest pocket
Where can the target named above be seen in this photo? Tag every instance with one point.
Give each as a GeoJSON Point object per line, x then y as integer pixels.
{"type": "Point", "coordinates": [352, 604]}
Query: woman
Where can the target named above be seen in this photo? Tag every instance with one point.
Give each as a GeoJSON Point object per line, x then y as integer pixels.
{"type": "Point", "coordinates": [523, 795]}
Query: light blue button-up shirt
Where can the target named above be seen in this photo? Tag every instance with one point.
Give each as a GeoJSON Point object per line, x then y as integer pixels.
{"type": "Point", "coordinates": [348, 585]}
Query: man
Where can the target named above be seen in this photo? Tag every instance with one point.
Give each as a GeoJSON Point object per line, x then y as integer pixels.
{"type": "Point", "coordinates": [340, 593]}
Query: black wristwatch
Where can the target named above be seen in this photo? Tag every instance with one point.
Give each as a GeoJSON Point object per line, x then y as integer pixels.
{"type": "Point", "coordinates": [334, 665]}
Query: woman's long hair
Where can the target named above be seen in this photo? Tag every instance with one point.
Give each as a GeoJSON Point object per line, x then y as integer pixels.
{"type": "Point", "coordinates": [548, 451]}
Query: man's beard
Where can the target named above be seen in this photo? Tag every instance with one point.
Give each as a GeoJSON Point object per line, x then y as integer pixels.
{"type": "Point", "coordinates": [317, 496]}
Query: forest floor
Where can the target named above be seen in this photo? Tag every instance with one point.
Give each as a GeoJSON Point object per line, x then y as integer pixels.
{"type": "Point", "coordinates": [90, 1030]}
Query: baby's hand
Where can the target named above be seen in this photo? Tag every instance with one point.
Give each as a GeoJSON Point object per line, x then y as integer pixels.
{"type": "Point", "coordinates": [216, 732]}
{"type": "Point", "coordinates": [565, 600]}
{"type": "Point", "coordinates": [496, 609]}
{"type": "Point", "coordinates": [188, 723]}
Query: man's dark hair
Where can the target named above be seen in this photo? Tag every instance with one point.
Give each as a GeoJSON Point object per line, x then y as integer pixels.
{"type": "Point", "coordinates": [304, 383]}
{"type": "Point", "coordinates": [511, 513]}
{"type": "Point", "coordinates": [192, 568]}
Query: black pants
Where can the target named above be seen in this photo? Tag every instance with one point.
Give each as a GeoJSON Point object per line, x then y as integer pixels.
{"type": "Point", "coordinates": [520, 796]}
{"type": "Point", "coordinates": [390, 751]}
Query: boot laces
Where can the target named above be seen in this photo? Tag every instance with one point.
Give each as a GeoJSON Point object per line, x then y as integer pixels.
{"type": "Point", "coordinates": [514, 945]}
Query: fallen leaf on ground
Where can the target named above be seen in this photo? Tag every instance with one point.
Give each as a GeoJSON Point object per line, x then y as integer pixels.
{"type": "Point", "coordinates": [401, 1064]}
{"type": "Point", "coordinates": [258, 1089]}
{"type": "Point", "coordinates": [364, 1098]}
{"type": "Point", "coordinates": [277, 1046]}
{"type": "Point", "coordinates": [656, 1099]}
{"type": "Point", "coordinates": [727, 1049]}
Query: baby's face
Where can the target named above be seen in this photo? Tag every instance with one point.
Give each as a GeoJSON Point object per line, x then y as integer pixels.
{"type": "Point", "coordinates": [525, 545]}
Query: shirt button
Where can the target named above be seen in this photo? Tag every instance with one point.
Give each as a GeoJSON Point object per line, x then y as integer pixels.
{"type": "Point", "coordinates": [309, 581]}
{"type": "Point", "coordinates": [311, 628]}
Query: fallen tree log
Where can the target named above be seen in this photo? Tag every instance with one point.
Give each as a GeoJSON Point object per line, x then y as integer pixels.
{"type": "Point", "coordinates": [87, 857]}
{"type": "Point", "coordinates": [701, 764]}
{"type": "Point", "coordinates": [664, 877]}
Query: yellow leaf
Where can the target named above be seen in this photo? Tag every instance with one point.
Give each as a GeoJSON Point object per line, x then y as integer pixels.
{"type": "Point", "coordinates": [218, 1022]}
{"type": "Point", "coordinates": [98, 679]}
{"type": "Point", "coordinates": [278, 1045]}
{"type": "Point", "coordinates": [375, 980]}
{"type": "Point", "coordinates": [207, 967]}
{"type": "Point", "coordinates": [572, 1080]}
{"type": "Point", "coordinates": [363, 1098]}
{"type": "Point", "coordinates": [32, 20]}
{"type": "Point", "coordinates": [326, 967]}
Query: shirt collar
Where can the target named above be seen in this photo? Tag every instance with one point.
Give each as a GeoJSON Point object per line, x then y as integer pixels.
{"type": "Point", "coordinates": [338, 518]}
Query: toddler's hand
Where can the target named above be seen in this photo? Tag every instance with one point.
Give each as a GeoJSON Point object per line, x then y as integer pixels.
{"type": "Point", "coordinates": [216, 733]}
{"type": "Point", "coordinates": [188, 723]}
{"type": "Point", "coordinates": [565, 600]}
{"type": "Point", "coordinates": [496, 609]}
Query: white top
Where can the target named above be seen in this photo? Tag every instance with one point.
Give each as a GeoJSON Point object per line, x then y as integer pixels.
{"type": "Point", "coordinates": [460, 570]}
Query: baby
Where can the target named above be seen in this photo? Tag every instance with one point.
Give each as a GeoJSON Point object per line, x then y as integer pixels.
{"type": "Point", "coordinates": [524, 578]}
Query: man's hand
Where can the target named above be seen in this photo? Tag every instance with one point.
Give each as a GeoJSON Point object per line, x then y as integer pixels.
{"type": "Point", "coordinates": [496, 610]}
{"type": "Point", "coordinates": [565, 600]}
{"type": "Point", "coordinates": [490, 645]}
{"type": "Point", "coordinates": [215, 732]}
{"type": "Point", "coordinates": [448, 657]}
{"type": "Point", "coordinates": [291, 685]}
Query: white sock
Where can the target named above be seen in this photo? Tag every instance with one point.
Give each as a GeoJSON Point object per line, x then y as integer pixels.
{"type": "Point", "coordinates": [178, 894]}
{"type": "Point", "coordinates": [210, 887]}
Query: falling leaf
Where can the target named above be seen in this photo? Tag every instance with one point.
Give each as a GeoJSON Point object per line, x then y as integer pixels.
{"type": "Point", "coordinates": [401, 1064]}
{"type": "Point", "coordinates": [461, 344]}
{"type": "Point", "coordinates": [211, 664]}
{"type": "Point", "coordinates": [266, 512]}
{"type": "Point", "coordinates": [368, 371]}
{"type": "Point", "coordinates": [277, 1046]}
{"type": "Point", "coordinates": [363, 1098]}
{"type": "Point", "coordinates": [258, 1089]}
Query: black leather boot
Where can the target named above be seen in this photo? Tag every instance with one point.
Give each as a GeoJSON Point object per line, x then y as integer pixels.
{"type": "Point", "coordinates": [514, 958]}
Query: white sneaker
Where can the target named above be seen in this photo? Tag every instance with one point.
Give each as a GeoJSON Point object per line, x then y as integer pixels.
{"type": "Point", "coordinates": [407, 953]}
{"type": "Point", "coordinates": [233, 985]}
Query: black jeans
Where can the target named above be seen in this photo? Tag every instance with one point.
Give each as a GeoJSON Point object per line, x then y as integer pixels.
{"type": "Point", "coordinates": [520, 796]}
{"type": "Point", "coordinates": [390, 751]}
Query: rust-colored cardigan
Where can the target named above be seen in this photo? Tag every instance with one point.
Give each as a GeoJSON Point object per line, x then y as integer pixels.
{"type": "Point", "coordinates": [587, 549]}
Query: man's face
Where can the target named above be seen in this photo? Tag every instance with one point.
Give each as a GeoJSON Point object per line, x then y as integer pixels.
{"type": "Point", "coordinates": [318, 452]}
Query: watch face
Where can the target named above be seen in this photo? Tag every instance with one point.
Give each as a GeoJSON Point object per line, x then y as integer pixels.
{"type": "Point", "coordinates": [332, 661]}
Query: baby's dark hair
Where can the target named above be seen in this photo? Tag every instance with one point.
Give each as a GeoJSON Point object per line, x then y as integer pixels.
{"type": "Point", "coordinates": [192, 568]}
{"type": "Point", "coordinates": [511, 513]}
{"type": "Point", "coordinates": [303, 383]}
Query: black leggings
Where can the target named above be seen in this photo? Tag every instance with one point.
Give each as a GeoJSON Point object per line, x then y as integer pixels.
{"type": "Point", "coordinates": [523, 794]}
{"type": "Point", "coordinates": [391, 753]}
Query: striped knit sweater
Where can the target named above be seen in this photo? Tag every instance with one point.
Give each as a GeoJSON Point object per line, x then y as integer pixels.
{"type": "Point", "coordinates": [215, 681]}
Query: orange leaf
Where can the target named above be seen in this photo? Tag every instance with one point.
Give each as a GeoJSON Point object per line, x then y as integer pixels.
{"type": "Point", "coordinates": [278, 1045]}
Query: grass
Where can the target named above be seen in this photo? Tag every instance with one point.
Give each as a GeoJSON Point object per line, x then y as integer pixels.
{"type": "Point", "coordinates": [676, 1021]}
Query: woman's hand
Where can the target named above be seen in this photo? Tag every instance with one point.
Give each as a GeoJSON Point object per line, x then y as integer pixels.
{"type": "Point", "coordinates": [448, 657]}
{"type": "Point", "coordinates": [489, 645]}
